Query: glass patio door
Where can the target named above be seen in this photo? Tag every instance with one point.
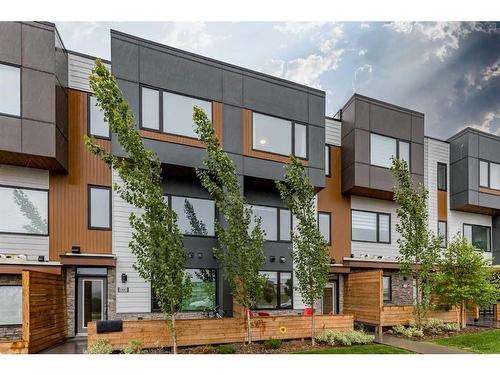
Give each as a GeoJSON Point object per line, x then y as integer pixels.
{"type": "Point", "coordinates": [91, 302]}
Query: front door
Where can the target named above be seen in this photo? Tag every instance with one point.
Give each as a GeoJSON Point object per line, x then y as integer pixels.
{"type": "Point", "coordinates": [329, 298]}
{"type": "Point", "coordinates": [91, 301]}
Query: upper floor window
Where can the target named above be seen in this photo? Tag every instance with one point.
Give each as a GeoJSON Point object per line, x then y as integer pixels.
{"type": "Point", "coordinates": [195, 216]}
{"type": "Point", "coordinates": [489, 174]}
{"type": "Point", "coordinates": [442, 183]}
{"type": "Point", "coordinates": [278, 291]}
{"type": "Point", "coordinates": [10, 93]}
{"type": "Point", "coordinates": [99, 207]}
{"type": "Point", "coordinates": [279, 136]}
{"type": "Point", "coordinates": [443, 232]}
{"type": "Point", "coordinates": [370, 226]}
{"type": "Point", "coordinates": [382, 149]}
{"type": "Point", "coordinates": [150, 108]}
{"type": "Point", "coordinates": [24, 211]}
{"type": "Point", "coordinates": [269, 222]}
{"type": "Point", "coordinates": [479, 236]}
{"type": "Point", "coordinates": [324, 224]}
{"type": "Point", "coordinates": [97, 125]}
{"type": "Point", "coordinates": [327, 161]}
{"type": "Point", "coordinates": [11, 312]}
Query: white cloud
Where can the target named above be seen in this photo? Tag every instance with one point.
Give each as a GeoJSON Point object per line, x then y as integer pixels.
{"type": "Point", "coordinates": [189, 35]}
{"type": "Point", "coordinates": [364, 25]}
{"type": "Point", "coordinates": [298, 27]}
{"type": "Point", "coordinates": [362, 52]}
{"type": "Point", "coordinates": [492, 71]}
{"type": "Point", "coordinates": [362, 75]}
{"type": "Point", "coordinates": [78, 31]}
{"type": "Point", "coordinates": [486, 123]}
{"type": "Point", "coordinates": [274, 67]}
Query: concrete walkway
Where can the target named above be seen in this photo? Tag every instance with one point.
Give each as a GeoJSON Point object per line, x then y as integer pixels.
{"type": "Point", "coordinates": [75, 345]}
{"type": "Point", "coordinates": [419, 347]}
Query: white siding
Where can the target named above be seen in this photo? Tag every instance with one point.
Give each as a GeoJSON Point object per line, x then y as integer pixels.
{"type": "Point", "coordinates": [18, 243]}
{"type": "Point", "coordinates": [333, 132]}
{"type": "Point", "coordinates": [138, 299]}
{"type": "Point", "coordinates": [375, 249]}
{"type": "Point", "coordinates": [79, 70]}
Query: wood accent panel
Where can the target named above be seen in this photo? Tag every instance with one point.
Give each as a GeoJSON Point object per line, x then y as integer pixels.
{"type": "Point", "coordinates": [442, 202]}
{"type": "Point", "coordinates": [19, 268]}
{"type": "Point", "coordinates": [248, 141]}
{"type": "Point", "coordinates": [217, 120]}
{"type": "Point", "coordinates": [367, 264]}
{"type": "Point", "coordinates": [44, 310]}
{"type": "Point", "coordinates": [489, 191]}
{"type": "Point", "coordinates": [473, 312]}
{"type": "Point", "coordinates": [87, 260]}
{"type": "Point", "coordinates": [331, 199]}
{"type": "Point", "coordinates": [497, 312]}
{"type": "Point", "coordinates": [401, 315]}
{"type": "Point", "coordinates": [363, 295]}
{"type": "Point", "coordinates": [68, 201]}
{"type": "Point", "coordinates": [13, 347]}
{"type": "Point", "coordinates": [154, 333]}
{"type": "Point", "coordinates": [30, 161]}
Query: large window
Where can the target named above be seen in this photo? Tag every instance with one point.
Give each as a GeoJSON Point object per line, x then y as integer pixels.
{"type": "Point", "coordinates": [324, 224]}
{"type": "Point", "coordinates": [203, 294]}
{"type": "Point", "coordinates": [278, 291]}
{"type": "Point", "coordinates": [10, 305]}
{"type": "Point", "coordinates": [178, 113]}
{"type": "Point", "coordinates": [489, 175]}
{"type": "Point", "coordinates": [195, 216]}
{"type": "Point", "coordinates": [327, 161]}
{"type": "Point", "coordinates": [99, 207]}
{"type": "Point", "coordinates": [382, 149]}
{"type": "Point", "coordinates": [269, 217]}
{"type": "Point", "coordinates": [279, 136]}
{"type": "Point", "coordinates": [23, 211]}
{"type": "Point", "coordinates": [387, 288]}
{"type": "Point", "coordinates": [442, 183]}
{"type": "Point", "coordinates": [10, 92]}
{"type": "Point", "coordinates": [97, 125]}
{"type": "Point", "coordinates": [371, 226]}
{"type": "Point", "coordinates": [170, 113]}
{"type": "Point", "coordinates": [479, 236]}
{"type": "Point", "coordinates": [443, 232]}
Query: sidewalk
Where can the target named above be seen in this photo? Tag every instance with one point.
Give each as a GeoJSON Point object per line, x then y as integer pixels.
{"type": "Point", "coordinates": [76, 345]}
{"type": "Point", "coordinates": [419, 347]}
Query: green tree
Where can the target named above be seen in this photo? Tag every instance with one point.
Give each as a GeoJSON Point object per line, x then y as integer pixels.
{"type": "Point", "coordinates": [418, 247]}
{"type": "Point", "coordinates": [240, 251]}
{"type": "Point", "coordinates": [156, 240]}
{"type": "Point", "coordinates": [464, 279]}
{"type": "Point", "coordinates": [310, 256]}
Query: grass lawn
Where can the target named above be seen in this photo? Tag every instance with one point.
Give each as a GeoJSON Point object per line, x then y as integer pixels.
{"type": "Point", "coordinates": [359, 349]}
{"type": "Point", "coordinates": [486, 342]}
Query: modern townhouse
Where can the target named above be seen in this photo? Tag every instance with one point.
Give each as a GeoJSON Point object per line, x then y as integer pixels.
{"type": "Point", "coordinates": [64, 233]}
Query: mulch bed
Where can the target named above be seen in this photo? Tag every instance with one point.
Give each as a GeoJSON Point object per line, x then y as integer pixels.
{"type": "Point", "coordinates": [428, 336]}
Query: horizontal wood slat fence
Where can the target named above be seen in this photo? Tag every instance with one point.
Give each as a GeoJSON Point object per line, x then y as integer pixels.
{"type": "Point", "coordinates": [154, 333]}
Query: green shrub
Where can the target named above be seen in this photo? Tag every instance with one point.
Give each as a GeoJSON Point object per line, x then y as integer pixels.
{"type": "Point", "coordinates": [133, 347]}
{"type": "Point", "coordinates": [451, 327]}
{"type": "Point", "coordinates": [101, 346]}
{"type": "Point", "coordinates": [407, 331]}
{"type": "Point", "coordinates": [273, 344]}
{"type": "Point", "coordinates": [436, 326]}
{"type": "Point", "coordinates": [226, 349]}
{"type": "Point", "coordinates": [345, 338]}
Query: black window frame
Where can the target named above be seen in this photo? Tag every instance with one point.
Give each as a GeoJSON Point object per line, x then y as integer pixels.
{"type": "Point", "coordinates": [278, 293]}
{"type": "Point", "coordinates": [89, 132]}
{"type": "Point", "coordinates": [89, 205]}
{"type": "Point", "coordinates": [329, 214]}
{"type": "Point", "coordinates": [161, 128]}
{"type": "Point", "coordinates": [378, 226]}
{"type": "Point", "coordinates": [489, 174]}
{"type": "Point", "coordinates": [390, 288]}
{"type": "Point", "coordinates": [278, 221]}
{"type": "Point", "coordinates": [445, 166]}
{"type": "Point", "coordinates": [156, 309]}
{"type": "Point", "coordinates": [48, 213]}
{"type": "Point", "coordinates": [482, 226]}
{"type": "Point", "coordinates": [445, 244]}
{"type": "Point", "coordinates": [328, 171]}
{"type": "Point", "coordinates": [12, 325]}
{"type": "Point", "coordinates": [292, 136]}
{"type": "Point", "coordinates": [20, 90]}
{"type": "Point", "coordinates": [169, 202]}
{"type": "Point", "coordinates": [398, 140]}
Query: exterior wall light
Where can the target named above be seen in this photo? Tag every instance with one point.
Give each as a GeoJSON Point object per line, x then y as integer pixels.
{"type": "Point", "coordinates": [124, 278]}
{"type": "Point", "coordinates": [75, 249]}
{"type": "Point", "coordinates": [200, 255]}
{"type": "Point", "coordinates": [282, 259]}
{"type": "Point", "coordinates": [272, 259]}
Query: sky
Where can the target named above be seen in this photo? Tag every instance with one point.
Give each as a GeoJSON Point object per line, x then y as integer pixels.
{"type": "Point", "coordinates": [450, 71]}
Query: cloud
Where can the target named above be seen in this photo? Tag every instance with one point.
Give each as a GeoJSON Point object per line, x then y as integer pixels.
{"type": "Point", "coordinates": [78, 31]}
{"type": "Point", "coordinates": [189, 35]}
{"type": "Point", "coordinates": [362, 76]}
{"type": "Point", "coordinates": [274, 67]}
{"type": "Point", "coordinates": [362, 52]}
{"type": "Point", "coordinates": [486, 124]}
{"type": "Point", "coordinates": [364, 25]}
{"type": "Point", "coordinates": [492, 71]}
{"type": "Point", "coordinates": [298, 27]}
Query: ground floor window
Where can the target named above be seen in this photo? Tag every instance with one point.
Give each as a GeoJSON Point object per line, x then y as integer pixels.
{"type": "Point", "coordinates": [11, 305]}
{"type": "Point", "coordinates": [278, 291]}
{"type": "Point", "coordinates": [204, 291]}
{"type": "Point", "coordinates": [387, 288]}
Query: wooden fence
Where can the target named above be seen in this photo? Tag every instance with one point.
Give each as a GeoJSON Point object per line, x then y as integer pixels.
{"type": "Point", "coordinates": [44, 313]}
{"type": "Point", "coordinates": [154, 333]}
{"type": "Point", "coordinates": [401, 315]}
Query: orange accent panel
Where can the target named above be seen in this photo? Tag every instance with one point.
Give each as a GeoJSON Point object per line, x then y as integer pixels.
{"type": "Point", "coordinates": [247, 143]}
{"type": "Point", "coordinates": [217, 112]}
{"type": "Point", "coordinates": [489, 191]}
{"type": "Point", "coordinates": [442, 205]}
{"type": "Point", "coordinates": [68, 199]}
{"type": "Point", "coordinates": [331, 199]}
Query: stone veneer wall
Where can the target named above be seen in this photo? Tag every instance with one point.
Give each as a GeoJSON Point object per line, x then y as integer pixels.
{"type": "Point", "coordinates": [402, 290]}
{"type": "Point", "coordinates": [11, 332]}
{"type": "Point", "coordinates": [71, 300]}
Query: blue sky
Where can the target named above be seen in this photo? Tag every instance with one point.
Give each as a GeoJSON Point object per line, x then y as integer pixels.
{"type": "Point", "coordinates": [448, 70]}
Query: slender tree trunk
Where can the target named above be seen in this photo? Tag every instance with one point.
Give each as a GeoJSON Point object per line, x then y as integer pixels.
{"type": "Point", "coordinates": [313, 341]}
{"type": "Point", "coordinates": [463, 315]}
{"type": "Point", "coordinates": [417, 304]}
{"type": "Point", "coordinates": [249, 332]}
{"type": "Point", "coordinates": [174, 334]}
